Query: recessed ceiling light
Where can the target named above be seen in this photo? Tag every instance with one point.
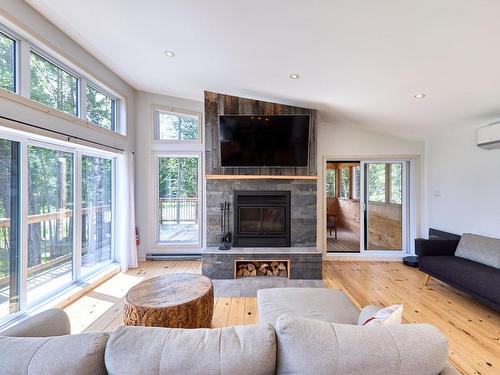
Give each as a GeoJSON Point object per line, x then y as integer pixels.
{"type": "Point", "coordinates": [169, 53]}
{"type": "Point", "coordinates": [294, 76]}
{"type": "Point", "coordinates": [419, 96]}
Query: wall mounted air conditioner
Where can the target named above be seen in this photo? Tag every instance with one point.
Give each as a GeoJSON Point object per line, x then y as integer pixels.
{"type": "Point", "coordinates": [488, 137]}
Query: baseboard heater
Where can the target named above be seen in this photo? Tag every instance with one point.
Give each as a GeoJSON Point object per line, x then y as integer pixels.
{"type": "Point", "coordinates": [180, 256]}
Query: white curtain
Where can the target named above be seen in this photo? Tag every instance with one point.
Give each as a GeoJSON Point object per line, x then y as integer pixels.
{"type": "Point", "coordinates": [126, 246]}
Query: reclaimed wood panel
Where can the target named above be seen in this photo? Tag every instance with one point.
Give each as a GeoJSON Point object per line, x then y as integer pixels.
{"type": "Point", "coordinates": [219, 104]}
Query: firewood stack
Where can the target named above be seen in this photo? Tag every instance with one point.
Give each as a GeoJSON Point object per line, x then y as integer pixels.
{"type": "Point", "coordinates": [262, 268]}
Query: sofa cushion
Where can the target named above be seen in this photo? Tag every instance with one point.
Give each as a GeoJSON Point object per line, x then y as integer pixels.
{"type": "Point", "coordinates": [307, 346]}
{"type": "Point", "coordinates": [476, 278]}
{"type": "Point", "coordinates": [367, 312]}
{"type": "Point", "coordinates": [481, 249]}
{"type": "Point", "coordinates": [73, 354]}
{"type": "Point", "coordinates": [156, 351]}
{"type": "Point", "coordinates": [386, 316]}
{"type": "Point", "coordinates": [327, 304]}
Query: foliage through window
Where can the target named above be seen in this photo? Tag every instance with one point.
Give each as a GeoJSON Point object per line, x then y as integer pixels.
{"type": "Point", "coordinates": [330, 183]}
{"type": "Point", "coordinates": [356, 175]}
{"type": "Point", "coordinates": [97, 211]}
{"type": "Point", "coordinates": [50, 229]}
{"type": "Point", "coordinates": [52, 85]}
{"type": "Point", "coordinates": [176, 127]}
{"type": "Point", "coordinates": [345, 182]}
{"type": "Point", "coordinates": [101, 109]}
{"type": "Point", "coordinates": [7, 63]}
{"type": "Point", "coordinates": [376, 182]}
{"type": "Point", "coordinates": [396, 175]}
{"type": "Point", "coordinates": [178, 178]}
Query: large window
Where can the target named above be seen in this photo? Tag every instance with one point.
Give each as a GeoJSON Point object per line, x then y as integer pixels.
{"type": "Point", "coordinates": [50, 220]}
{"type": "Point", "coordinates": [172, 126]}
{"type": "Point", "coordinates": [9, 227]}
{"type": "Point", "coordinates": [52, 85]}
{"type": "Point", "coordinates": [97, 218]}
{"type": "Point", "coordinates": [179, 200]}
{"type": "Point", "coordinates": [101, 109]}
{"type": "Point", "coordinates": [7, 63]}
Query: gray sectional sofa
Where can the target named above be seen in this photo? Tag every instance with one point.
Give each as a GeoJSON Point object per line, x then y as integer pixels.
{"type": "Point", "coordinates": [304, 339]}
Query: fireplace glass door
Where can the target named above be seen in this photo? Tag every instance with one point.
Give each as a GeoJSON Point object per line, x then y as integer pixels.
{"type": "Point", "coordinates": [262, 220]}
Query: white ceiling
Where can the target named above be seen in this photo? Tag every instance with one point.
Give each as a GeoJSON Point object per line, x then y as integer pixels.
{"type": "Point", "coordinates": [359, 61]}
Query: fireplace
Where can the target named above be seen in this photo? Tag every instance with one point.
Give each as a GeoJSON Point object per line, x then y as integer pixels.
{"type": "Point", "coordinates": [261, 218]}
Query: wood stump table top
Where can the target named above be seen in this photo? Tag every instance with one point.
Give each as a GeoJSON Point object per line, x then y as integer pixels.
{"type": "Point", "coordinates": [180, 300]}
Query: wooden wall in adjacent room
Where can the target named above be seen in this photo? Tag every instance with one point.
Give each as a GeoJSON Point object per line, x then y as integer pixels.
{"type": "Point", "coordinates": [220, 104]}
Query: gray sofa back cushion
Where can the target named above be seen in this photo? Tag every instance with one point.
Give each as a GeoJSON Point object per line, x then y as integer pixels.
{"type": "Point", "coordinates": [62, 355]}
{"type": "Point", "coordinates": [224, 351]}
{"type": "Point", "coordinates": [480, 249]}
{"type": "Point", "coordinates": [307, 346]}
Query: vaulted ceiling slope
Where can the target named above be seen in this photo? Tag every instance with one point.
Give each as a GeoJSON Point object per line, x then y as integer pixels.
{"type": "Point", "coordinates": [359, 61]}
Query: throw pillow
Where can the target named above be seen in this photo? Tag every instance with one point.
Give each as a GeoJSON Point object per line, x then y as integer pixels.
{"type": "Point", "coordinates": [387, 316]}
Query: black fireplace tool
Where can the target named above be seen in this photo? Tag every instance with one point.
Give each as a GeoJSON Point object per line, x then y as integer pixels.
{"type": "Point", "coordinates": [225, 234]}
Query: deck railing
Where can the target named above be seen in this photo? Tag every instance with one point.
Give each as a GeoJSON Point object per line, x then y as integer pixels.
{"type": "Point", "coordinates": [178, 210]}
{"type": "Point", "coordinates": [51, 238]}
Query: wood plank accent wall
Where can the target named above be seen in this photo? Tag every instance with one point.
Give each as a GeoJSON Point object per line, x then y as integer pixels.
{"type": "Point", "coordinates": [220, 104]}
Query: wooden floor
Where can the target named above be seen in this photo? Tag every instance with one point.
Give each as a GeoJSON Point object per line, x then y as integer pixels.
{"type": "Point", "coordinates": [346, 241]}
{"type": "Point", "coordinates": [472, 329]}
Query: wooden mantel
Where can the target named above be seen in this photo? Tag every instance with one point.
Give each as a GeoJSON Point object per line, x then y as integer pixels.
{"type": "Point", "coordinates": [257, 177]}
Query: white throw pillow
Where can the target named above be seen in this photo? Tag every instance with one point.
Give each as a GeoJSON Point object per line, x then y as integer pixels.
{"type": "Point", "coordinates": [388, 315]}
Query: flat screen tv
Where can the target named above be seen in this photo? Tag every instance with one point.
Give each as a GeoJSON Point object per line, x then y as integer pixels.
{"type": "Point", "coordinates": [264, 141]}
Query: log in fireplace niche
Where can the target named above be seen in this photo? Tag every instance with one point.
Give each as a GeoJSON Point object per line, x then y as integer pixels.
{"type": "Point", "coordinates": [261, 218]}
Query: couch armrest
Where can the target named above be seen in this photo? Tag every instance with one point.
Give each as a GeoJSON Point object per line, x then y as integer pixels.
{"type": "Point", "coordinates": [52, 322]}
{"type": "Point", "coordinates": [435, 247]}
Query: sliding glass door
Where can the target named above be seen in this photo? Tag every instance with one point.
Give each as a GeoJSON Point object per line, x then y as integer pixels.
{"type": "Point", "coordinates": [56, 220]}
{"type": "Point", "coordinates": [97, 212]}
{"type": "Point", "coordinates": [50, 221]}
{"type": "Point", "coordinates": [9, 228]}
{"type": "Point", "coordinates": [178, 200]}
{"type": "Point", "coordinates": [385, 205]}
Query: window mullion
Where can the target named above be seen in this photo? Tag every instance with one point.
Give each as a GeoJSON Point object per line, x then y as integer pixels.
{"type": "Point", "coordinates": [24, 71]}
{"type": "Point", "coordinates": [83, 99]}
{"type": "Point", "coordinates": [77, 218]}
{"type": "Point", "coordinates": [23, 227]}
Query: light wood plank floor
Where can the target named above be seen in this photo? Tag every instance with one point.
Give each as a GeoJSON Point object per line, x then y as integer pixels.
{"type": "Point", "coordinates": [346, 241]}
{"type": "Point", "coordinates": [472, 329]}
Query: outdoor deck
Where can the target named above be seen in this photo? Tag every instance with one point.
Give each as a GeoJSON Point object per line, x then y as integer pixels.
{"type": "Point", "coordinates": [180, 233]}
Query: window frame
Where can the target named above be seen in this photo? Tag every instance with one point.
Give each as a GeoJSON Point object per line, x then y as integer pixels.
{"type": "Point", "coordinates": [156, 197]}
{"type": "Point", "coordinates": [157, 110]}
{"type": "Point", "coordinates": [349, 180]}
{"type": "Point", "coordinates": [387, 186]}
{"type": "Point", "coordinates": [17, 44]}
{"type": "Point", "coordinates": [115, 107]}
{"type": "Point", "coordinates": [22, 73]}
{"type": "Point", "coordinates": [64, 68]}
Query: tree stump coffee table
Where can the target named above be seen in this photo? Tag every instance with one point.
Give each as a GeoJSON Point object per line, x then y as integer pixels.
{"type": "Point", "coordinates": [177, 300]}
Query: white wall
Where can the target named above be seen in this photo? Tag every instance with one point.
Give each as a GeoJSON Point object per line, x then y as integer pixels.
{"type": "Point", "coordinates": [345, 140]}
{"type": "Point", "coordinates": [145, 174]}
{"type": "Point", "coordinates": [463, 184]}
{"type": "Point", "coordinates": [25, 21]}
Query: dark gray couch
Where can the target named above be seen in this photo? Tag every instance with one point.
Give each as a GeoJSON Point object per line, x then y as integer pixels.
{"type": "Point", "coordinates": [473, 268]}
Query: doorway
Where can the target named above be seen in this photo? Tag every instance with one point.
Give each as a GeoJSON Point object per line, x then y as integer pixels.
{"type": "Point", "coordinates": [343, 206]}
{"type": "Point", "coordinates": [367, 210]}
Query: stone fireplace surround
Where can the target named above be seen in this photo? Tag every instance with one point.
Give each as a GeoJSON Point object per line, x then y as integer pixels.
{"type": "Point", "coordinates": [303, 258]}
{"type": "Point", "coordinates": [302, 206]}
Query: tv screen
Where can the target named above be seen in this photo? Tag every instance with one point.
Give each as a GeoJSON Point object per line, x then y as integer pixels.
{"type": "Point", "coordinates": [264, 141]}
